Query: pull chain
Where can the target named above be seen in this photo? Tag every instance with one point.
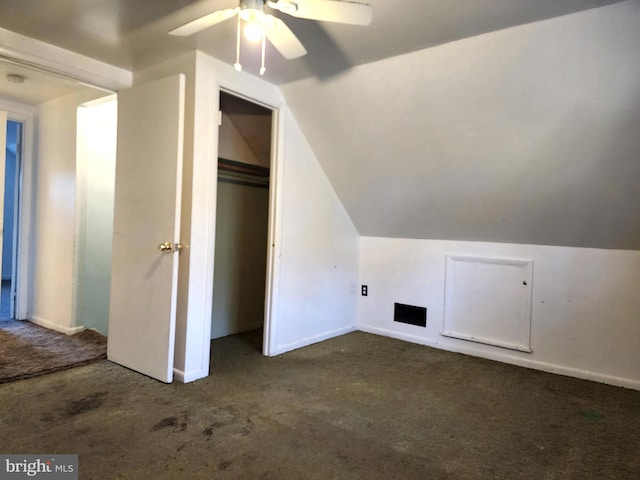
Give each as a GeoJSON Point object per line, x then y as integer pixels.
{"type": "Point", "coordinates": [263, 68]}
{"type": "Point", "coordinates": [237, 65]}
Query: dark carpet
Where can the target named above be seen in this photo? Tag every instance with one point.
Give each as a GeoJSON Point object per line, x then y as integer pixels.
{"type": "Point", "coordinates": [357, 407]}
{"type": "Point", "coordinates": [28, 350]}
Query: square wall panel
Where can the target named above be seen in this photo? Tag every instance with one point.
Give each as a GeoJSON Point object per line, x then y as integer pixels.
{"type": "Point", "coordinates": [488, 300]}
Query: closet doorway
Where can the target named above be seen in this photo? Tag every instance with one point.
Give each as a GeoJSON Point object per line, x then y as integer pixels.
{"type": "Point", "coordinates": [242, 218]}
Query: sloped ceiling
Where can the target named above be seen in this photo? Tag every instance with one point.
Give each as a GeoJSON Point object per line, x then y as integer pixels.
{"type": "Point", "coordinates": [253, 124]}
{"type": "Point", "coordinates": [133, 33]}
{"type": "Point", "coordinates": [494, 120]}
{"type": "Point", "coordinates": [527, 135]}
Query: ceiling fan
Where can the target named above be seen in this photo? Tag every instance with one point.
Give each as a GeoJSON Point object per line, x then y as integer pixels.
{"type": "Point", "coordinates": [260, 25]}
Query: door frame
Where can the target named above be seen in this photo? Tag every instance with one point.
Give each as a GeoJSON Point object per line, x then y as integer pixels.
{"type": "Point", "coordinates": [17, 201]}
{"type": "Point", "coordinates": [28, 52]}
{"type": "Point", "coordinates": [273, 227]}
{"type": "Point", "coordinates": [21, 113]}
{"type": "Point", "coordinates": [218, 76]}
{"type": "Point", "coordinates": [195, 291]}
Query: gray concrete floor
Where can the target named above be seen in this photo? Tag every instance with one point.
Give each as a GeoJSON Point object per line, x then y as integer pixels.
{"type": "Point", "coordinates": [355, 407]}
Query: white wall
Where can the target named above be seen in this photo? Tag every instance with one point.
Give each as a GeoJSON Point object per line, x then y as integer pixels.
{"type": "Point", "coordinates": [319, 251]}
{"type": "Point", "coordinates": [231, 145]}
{"type": "Point", "coordinates": [242, 215]}
{"type": "Point", "coordinates": [51, 268]}
{"type": "Point", "coordinates": [585, 303]}
{"type": "Point", "coordinates": [95, 179]}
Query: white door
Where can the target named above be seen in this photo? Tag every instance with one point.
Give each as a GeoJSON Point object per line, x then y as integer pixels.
{"type": "Point", "coordinates": [3, 161]}
{"type": "Point", "coordinates": [144, 278]}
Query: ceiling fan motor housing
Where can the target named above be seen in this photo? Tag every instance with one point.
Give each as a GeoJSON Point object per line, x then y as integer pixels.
{"type": "Point", "coordinates": [252, 4]}
{"type": "Point", "coordinates": [252, 11]}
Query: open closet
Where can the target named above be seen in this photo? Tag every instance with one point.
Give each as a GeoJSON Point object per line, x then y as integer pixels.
{"type": "Point", "coordinates": [242, 215]}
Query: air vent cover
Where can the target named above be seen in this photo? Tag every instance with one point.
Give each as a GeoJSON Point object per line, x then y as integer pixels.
{"type": "Point", "coordinates": [410, 314]}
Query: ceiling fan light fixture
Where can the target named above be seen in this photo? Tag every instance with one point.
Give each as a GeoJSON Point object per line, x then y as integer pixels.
{"type": "Point", "coordinates": [253, 32]}
{"type": "Point", "coordinates": [259, 25]}
{"type": "Point", "coordinates": [251, 15]}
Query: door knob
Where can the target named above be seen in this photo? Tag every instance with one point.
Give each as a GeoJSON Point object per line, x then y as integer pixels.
{"type": "Point", "coordinates": [169, 247]}
{"type": "Point", "coordinates": [165, 247]}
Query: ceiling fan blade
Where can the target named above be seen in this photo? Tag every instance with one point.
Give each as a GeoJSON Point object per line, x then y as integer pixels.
{"type": "Point", "coordinates": [204, 22]}
{"type": "Point", "coordinates": [337, 11]}
{"type": "Point", "coordinates": [283, 39]}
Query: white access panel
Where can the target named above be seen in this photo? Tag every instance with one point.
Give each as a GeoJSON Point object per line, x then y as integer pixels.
{"type": "Point", "coordinates": [488, 300]}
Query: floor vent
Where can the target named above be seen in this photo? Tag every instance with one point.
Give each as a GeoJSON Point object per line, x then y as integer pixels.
{"type": "Point", "coordinates": [410, 314]}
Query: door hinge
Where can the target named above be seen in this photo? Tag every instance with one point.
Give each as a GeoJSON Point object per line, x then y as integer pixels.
{"type": "Point", "coordinates": [219, 118]}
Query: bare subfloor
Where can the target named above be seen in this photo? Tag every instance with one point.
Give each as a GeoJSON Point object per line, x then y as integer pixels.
{"type": "Point", "coordinates": [355, 407]}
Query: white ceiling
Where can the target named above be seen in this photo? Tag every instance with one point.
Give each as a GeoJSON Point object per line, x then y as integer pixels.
{"type": "Point", "coordinates": [38, 87]}
{"type": "Point", "coordinates": [133, 34]}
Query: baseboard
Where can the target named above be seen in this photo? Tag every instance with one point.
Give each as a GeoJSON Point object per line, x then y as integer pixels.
{"type": "Point", "coordinates": [467, 348]}
{"type": "Point", "coordinates": [190, 376]}
{"type": "Point", "coordinates": [54, 326]}
{"type": "Point", "coordinates": [278, 350]}
{"type": "Point", "coordinates": [235, 331]}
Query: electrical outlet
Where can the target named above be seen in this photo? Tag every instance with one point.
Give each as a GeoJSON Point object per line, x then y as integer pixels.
{"type": "Point", "coordinates": [365, 290]}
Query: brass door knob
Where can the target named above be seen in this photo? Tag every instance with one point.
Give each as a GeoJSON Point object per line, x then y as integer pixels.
{"type": "Point", "coordinates": [166, 247]}
{"type": "Point", "coordinates": [169, 247]}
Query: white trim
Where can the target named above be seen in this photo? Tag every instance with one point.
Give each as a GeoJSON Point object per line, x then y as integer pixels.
{"type": "Point", "coordinates": [54, 326]}
{"type": "Point", "coordinates": [305, 342]}
{"type": "Point", "coordinates": [252, 89]}
{"type": "Point", "coordinates": [207, 179]}
{"type": "Point", "coordinates": [501, 356]}
{"type": "Point", "coordinates": [25, 215]}
{"type": "Point", "coordinates": [57, 61]}
{"type": "Point", "coordinates": [190, 376]}
{"type": "Point", "coordinates": [15, 238]}
{"type": "Point", "coordinates": [274, 246]}
{"type": "Point", "coordinates": [201, 248]}
{"type": "Point", "coordinates": [24, 114]}
{"type": "Point", "coordinates": [518, 262]}
{"type": "Point", "coordinates": [487, 341]}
